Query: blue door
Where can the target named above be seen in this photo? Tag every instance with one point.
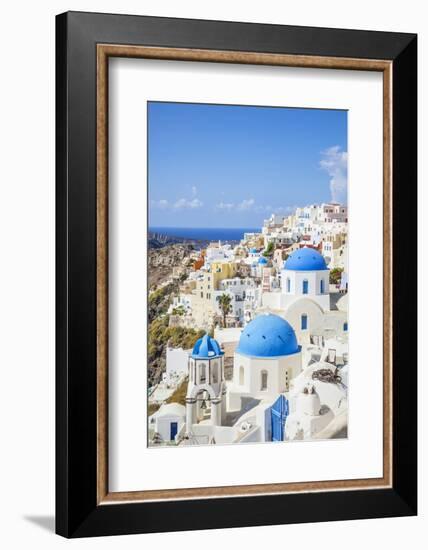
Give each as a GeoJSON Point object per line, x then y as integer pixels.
{"type": "Point", "coordinates": [279, 413]}
{"type": "Point", "coordinates": [174, 430]}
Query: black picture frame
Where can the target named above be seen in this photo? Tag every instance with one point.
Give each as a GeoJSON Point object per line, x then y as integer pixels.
{"type": "Point", "coordinates": [77, 511]}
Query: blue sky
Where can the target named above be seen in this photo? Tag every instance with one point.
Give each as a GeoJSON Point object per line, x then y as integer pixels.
{"type": "Point", "coordinates": [232, 166]}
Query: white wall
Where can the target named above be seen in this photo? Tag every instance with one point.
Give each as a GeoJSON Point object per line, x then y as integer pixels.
{"type": "Point", "coordinates": [163, 425]}
{"type": "Point", "coordinates": [313, 278]}
{"type": "Point", "coordinates": [176, 360]}
{"type": "Point", "coordinates": [293, 314]}
{"type": "Point", "coordinates": [278, 370]}
{"type": "Point", "coordinates": [27, 273]}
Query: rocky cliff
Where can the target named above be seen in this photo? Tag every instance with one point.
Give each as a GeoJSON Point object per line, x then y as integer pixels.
{"type": "Point", "coordinates": [169, 261]}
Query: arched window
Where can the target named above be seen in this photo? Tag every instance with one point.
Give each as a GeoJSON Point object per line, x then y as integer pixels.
{"type": "Point", "coordinates": [202, 373]}
{"type": "Point", "coordinates": [345, 327]}
{"type": "Point", "coordinates": [304, 321]}
{"type": "Point", "coordinates": [264, 380]}
{"type": "Point", "coordinates": [241, 376]}
{"type": "Point", "coordinates": [322, 286]}
{"type": "Point", "coordinates": [288, 284]}
{"type": "Point", "coordinates": [305, 286]}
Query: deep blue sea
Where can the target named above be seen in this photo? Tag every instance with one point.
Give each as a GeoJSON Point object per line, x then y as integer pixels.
{"type": "Point", "coordinates": [206, 233]}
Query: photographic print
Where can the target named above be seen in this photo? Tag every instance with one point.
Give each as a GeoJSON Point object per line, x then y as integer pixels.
{"type": "Point", "coordinates": [247, 274]}
{"type": "Point", "coordinates": [203, 274]}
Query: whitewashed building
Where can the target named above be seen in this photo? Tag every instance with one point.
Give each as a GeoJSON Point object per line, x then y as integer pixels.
{"type": "Point", "coordinates": [167, 421]}
{"type": "Point", "coordinates": [304, 296]}
{"type": "Point", "coordinates": [309, 416]}
{"type": "Point", "coordinates": [266, 360]}
{"type": "Point", "coordinates": [264, 401]}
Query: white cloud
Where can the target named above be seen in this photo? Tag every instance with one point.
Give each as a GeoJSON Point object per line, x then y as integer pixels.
{"type": "Point", "coordinates": [250, 205]}
{"type": "Point", "coordinates": [246, 204]}
{"type": "Point", "coordinates": [188, 203]}
{"type": "Point", "coordinates": [161, 204]}
{"type": "Point", "coordinates": [194, 190]}
{"type": "Point", "coordinates": [335, 163]}
{"type": "Point", "coordinates": [180, 204]}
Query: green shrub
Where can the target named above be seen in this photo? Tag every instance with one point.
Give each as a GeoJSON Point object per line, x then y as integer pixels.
{"type": "Point", "coordinates": [269, 249]}
{"type": "Point", "coordinates": [335, 275]}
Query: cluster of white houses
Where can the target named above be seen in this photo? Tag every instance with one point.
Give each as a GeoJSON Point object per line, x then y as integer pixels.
{"type": "Point", "coordinates": [287, 347]}
{"type": "Point", "coordinates": [246, 274]}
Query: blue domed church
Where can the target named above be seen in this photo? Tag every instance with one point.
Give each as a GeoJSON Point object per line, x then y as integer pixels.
{"type": "Point", "coordinates": [206, 383]}
{"type": "Point", "coordinates": [306, 275]}
{"type": "Point", "coordinates": [266, 359]}
{"type": "Point", "coordinates": [304, 298]}
{"type": "Point", "coordinates": [305, 291]}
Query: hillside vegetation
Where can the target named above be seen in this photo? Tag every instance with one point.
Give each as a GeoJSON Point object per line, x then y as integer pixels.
{"type": "Point", "coordinates": [160, 299]}
{"type": "Point", "coordinates": [159, 336]}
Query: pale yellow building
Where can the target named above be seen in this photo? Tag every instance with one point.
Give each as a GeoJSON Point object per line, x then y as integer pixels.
{"type": "Point", "coordinates": [203, 310]}
{"type": "Point", "coordinates": [334, 249]}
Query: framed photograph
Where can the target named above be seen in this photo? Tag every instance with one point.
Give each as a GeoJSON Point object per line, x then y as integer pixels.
{"type": "Point", "coordinates": [236, 285]}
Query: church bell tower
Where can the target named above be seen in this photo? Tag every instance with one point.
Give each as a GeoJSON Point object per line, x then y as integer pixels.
{"type": "Point", "coordinates": [206, 386]}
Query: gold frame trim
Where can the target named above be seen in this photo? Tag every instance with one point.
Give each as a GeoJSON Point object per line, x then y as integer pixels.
{"type": "Point", "coordinates": [104, 51]}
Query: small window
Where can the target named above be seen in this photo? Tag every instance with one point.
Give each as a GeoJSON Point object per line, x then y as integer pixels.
{"type": "Point", "coordinates": [264, 380]}
{"type": "Point", "coordinates": [241, 376]}
{"type": "Point", "coordinates": [304, 322]}
{"type": "Point", "coordinates": [322, 286]}
{"type": "Point", "coordinates": [214, 370]}
{"type": "Point", "coordinates": [305, 286]}
{"type": "Point", "coordinates": [288, 284]}
{"type": "Point", "coordinates": [345, 327]}
{"type": "Point", "coordinates": [202, 373]}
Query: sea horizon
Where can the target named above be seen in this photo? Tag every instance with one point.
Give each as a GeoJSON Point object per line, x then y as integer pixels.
{"type": "Point", "coordinates": [205, 233]}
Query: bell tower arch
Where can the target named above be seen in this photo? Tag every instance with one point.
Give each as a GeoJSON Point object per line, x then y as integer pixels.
{"type": "Point", "coordinates": [206, 382]}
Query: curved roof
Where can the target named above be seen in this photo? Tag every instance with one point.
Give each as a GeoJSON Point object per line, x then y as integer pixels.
{"type": "Point", "coordinates": [268, 336]}
{"type": "Point", "coordinates": [175, 409]}
{"type": "Point", "coordinates": [206, 348]}
{"type": "Point", "coordinates": [253, 250]}
{"type": "Point", "coordinates": [262, 260]}
{"type": "Point", "coordinates": [305, 259]}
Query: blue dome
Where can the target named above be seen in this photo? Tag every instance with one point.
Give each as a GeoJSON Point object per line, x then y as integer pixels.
{"type": "Point", "coordinates": [206, 348]}
{"type": "Point", "coordinates": [268, 336]}
{"type": "Point", "coordinates": [305, 259]}
{"type": "Point", "coordinates": [253, 250]}
{"type": "Point", "coordinates": [262, 261]}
